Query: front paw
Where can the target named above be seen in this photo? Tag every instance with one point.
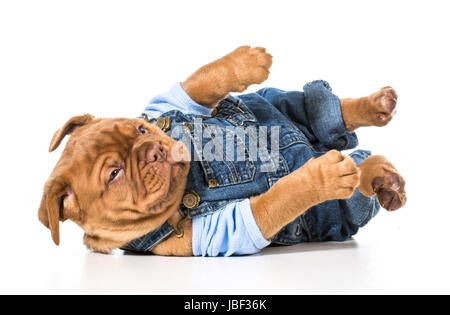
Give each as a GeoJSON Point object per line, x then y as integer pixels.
{"type": "Point", "coordinates": [247, 66]}
{"type": "Point", "coordinates": [333, 176]}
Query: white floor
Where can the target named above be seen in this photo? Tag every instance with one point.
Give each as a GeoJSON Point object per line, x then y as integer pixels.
{"type": "Point", "coordinates": [391, 263]}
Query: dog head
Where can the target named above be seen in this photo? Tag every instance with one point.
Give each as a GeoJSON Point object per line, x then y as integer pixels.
{"type": "Point", "coordinates": [118, 179]}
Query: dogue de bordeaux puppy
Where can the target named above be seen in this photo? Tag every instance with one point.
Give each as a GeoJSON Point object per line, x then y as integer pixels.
{"type": "Point", "coordinates": [123, 179]}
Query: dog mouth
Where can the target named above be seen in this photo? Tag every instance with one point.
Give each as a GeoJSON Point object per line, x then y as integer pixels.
{"type": "Point", "coordinates": [162, 168]}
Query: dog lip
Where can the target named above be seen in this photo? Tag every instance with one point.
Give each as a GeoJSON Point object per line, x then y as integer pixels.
{"type": "Point", "coordinates": [169, 169]}
{"type": "Point", "coordinates": [154, 172]}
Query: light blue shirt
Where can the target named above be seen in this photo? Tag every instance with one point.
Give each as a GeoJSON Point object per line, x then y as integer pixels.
{"type": "Point", "coordinates": [231, 230]}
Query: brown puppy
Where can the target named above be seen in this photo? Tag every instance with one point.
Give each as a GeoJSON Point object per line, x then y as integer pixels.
{"type": "Point", "coordinates": [92, 187]}
{"type": "Point", "coordinates": [119, 179]}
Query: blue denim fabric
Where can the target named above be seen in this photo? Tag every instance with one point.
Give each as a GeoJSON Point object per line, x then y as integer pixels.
{"type": "Point", "coordinates": [147, 242]}
{"type": "Point", "coordinates": [310, 124]}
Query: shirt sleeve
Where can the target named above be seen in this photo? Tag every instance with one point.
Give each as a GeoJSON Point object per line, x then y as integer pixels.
{"type": "Point", "coordinates": [229, 231]}
{"type": "Point", "coordinates": [175, 99]}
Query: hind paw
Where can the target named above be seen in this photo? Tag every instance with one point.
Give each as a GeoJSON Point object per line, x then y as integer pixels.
{"type": "Point", "coordinates": [390, 190]}
{"type": "Point", "coordinates": [382, 106]}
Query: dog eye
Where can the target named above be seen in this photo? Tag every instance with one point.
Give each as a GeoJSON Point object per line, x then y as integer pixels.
{"type": "Point", "coordinates": [114, 174]}
{"type": "Point", "coordinates": [142, 130]}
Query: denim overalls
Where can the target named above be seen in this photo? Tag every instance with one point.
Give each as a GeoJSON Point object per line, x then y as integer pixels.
{"type": "Point", "coordinates": [306, 124]}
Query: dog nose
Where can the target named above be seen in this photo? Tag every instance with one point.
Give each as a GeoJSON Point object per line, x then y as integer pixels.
{"type": "Point", "coordinates": [156, 153]}
{"type": "Point", "coordinates": [153, 152]}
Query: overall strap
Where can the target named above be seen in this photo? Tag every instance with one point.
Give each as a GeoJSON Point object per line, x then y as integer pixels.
{"type": "Point", "coordinates": [147, 242]}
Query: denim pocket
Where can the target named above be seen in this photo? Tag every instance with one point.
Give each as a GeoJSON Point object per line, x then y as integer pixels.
{"type": "Point", "coordinates": [234, 111]}
{"type": "Point", "coordinates": [224, 155]}
{"type": "Point", "coordinates": [225, 160]}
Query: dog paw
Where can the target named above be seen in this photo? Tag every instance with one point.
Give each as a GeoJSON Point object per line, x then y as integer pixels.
{"type": "Point", "coordinates": [334, 175]}
{"type": "Point", "coordinates": [248, 66]}
{"type": "Point", "coordinates": [390, 190]}
{"type": "Point", "coordinates": [382, 106]}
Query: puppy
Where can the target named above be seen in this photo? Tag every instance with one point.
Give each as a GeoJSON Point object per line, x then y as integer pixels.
{"type": "Point", "coordinates": [133, 184]}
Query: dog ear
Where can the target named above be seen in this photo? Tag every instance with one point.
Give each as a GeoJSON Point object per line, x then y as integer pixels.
{"type": "Point", "coordinates": [68, 128]}
{"type": "Point", "coordinates": [58, 204]}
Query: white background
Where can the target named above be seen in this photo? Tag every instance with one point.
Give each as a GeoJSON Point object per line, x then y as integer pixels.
{"type": "Point", "coordinates": [108, 58]}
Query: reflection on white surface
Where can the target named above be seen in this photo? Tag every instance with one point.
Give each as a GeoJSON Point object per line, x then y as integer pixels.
{"type": "Point", "coordinates": [366, 265]}
{"type": "Point", "coordinates": [269, 271]}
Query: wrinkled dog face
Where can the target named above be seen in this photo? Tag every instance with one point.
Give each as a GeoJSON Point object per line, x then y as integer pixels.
{"type": "Point", "coordinates": [117, 178]}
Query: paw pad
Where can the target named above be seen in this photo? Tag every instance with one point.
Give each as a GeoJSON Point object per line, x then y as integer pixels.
{"type": "Point", "coordinates": [390, 190]}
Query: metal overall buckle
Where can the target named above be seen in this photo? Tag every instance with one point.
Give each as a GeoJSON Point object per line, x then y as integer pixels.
{"type": "Point", "coordinates": [163, 123]}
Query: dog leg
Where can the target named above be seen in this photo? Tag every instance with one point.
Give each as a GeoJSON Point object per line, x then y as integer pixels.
{"type": "Point", "coordinates": [331, 176]}
{"type": "Point", "coordinates": [374, 110]}
{"type": "Point", "coordinates": [232, 73]}
{"type": "Point", "coordinates": [379, 177]}
{"type": "Point", "coordinates": [174, 246]}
